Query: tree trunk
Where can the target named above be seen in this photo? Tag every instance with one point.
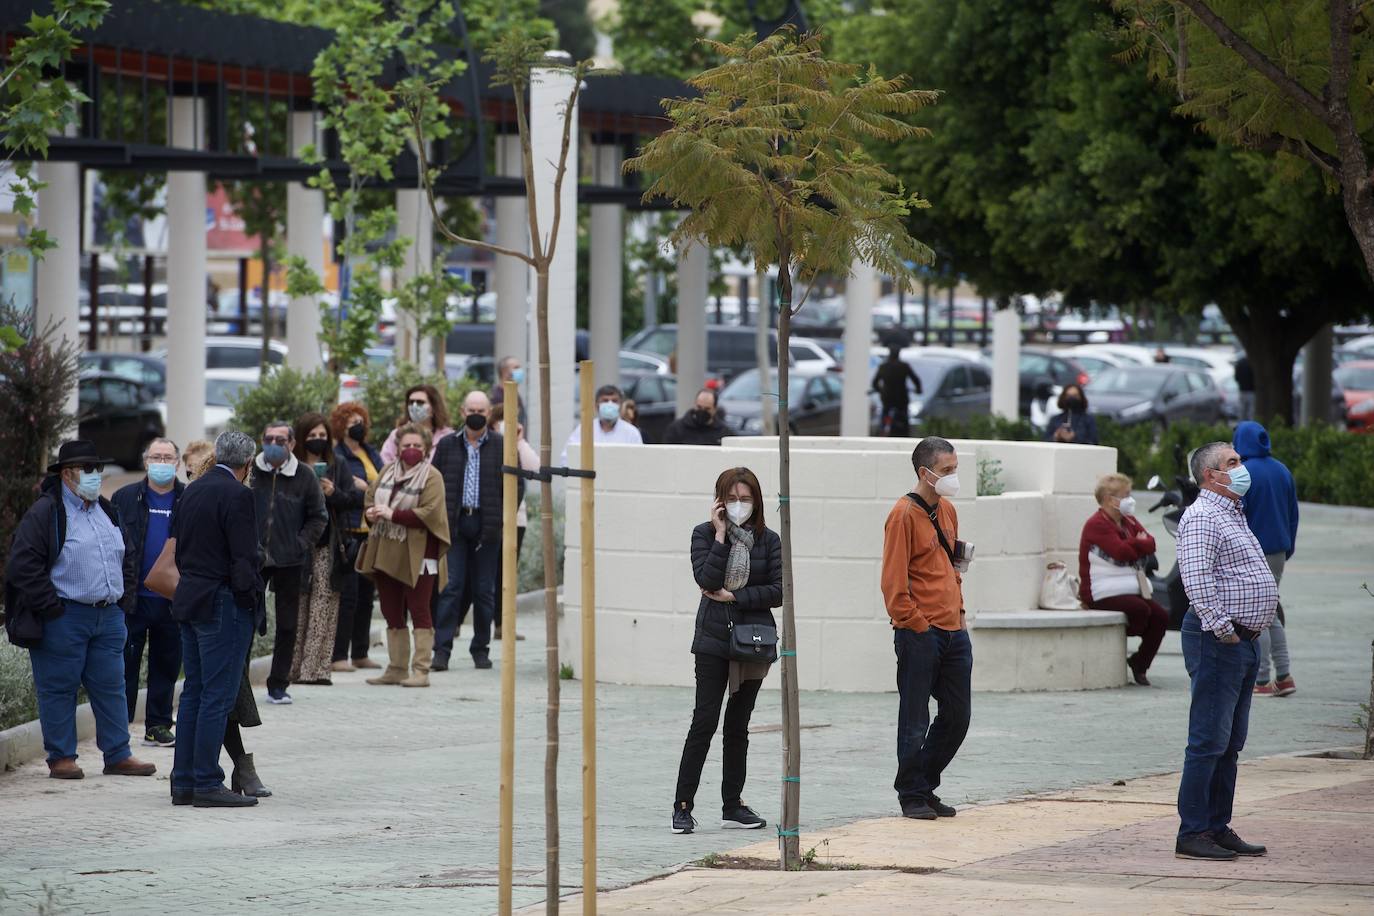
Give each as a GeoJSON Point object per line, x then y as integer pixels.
{"type": "Point", "coordinates": [1272, 343]}
{"type": "Point", "coordinates": [762, 331]}
{"type": "Point", "coordinates": [550, 600]}
{"type": "Point", "coordinates": [789, 840]}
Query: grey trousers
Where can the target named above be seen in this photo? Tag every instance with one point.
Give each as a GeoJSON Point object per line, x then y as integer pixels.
{"type": "Point", "coordinates": [1273, 640]}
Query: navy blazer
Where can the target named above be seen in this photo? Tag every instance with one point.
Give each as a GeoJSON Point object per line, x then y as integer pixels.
{"type": "Point", "coordinates": [217, 545]}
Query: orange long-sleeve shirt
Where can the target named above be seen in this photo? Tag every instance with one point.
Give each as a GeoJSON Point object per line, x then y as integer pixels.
{"type": "Point", "coordinates": [920, 586]}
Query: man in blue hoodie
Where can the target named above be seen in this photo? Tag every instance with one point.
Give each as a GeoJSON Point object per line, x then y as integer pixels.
{"type": "Point", "coordinates": [1271, 508]}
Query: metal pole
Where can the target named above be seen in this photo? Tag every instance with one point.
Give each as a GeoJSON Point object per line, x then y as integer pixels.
{"type": "Point", "coordinates": [509, 560]}
{"type": "Point", "coordinates": [147, 342]}
{"type": "Point", "coordinates": [985, 322]}
{"type": "Point", "coordinates": [93, 284]}
{"type": "Point", "coordinates": [588, 544]}
{"type": "Point", "coordinates": [949, 318]}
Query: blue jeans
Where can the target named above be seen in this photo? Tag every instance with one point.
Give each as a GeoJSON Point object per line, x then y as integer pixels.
{"type": "Point", "coordinates": [82, 648]}
{"type": "Point", "coordinates": [213, 652]}
{"type": "Point", "coordinates": [152, 622]}
{"type": "Point", "coordinates": [936, 663]}
{"type": "Point", "coordinates": [1223, 678]}
{"type": "Point", "coordinates": [468, 558]}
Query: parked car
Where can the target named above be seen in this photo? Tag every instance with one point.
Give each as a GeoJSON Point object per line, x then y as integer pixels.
{"type": "Point", "coordinates": [813, 397]}
{"type": "Point", "coordinates": [222, 387]}
{"type": "Point", "coordinates": [1043, 375]}
{"type": "Point", "coordinates": [1155, 394]}
{"type": "Point", "coordinates": [1357, 383]}
{"type": "Point", "coordinates": [1219, 364]}
{"type": "Point", "coordinates": [950, 387]}
{"type": "Point", "coordinates": [148, 371]}
{"type": "Point", "coordinates": [118, 415]}
{"type": "Point", "coordinates": [236, 353]}
{"type": "Point", "coordinates": [1093, 358]}
{"type": "Point", "coordinates": [729, 350]}
{"type": "Point", "coordinates": [656, 398]}
{"type": "Point", "coordinates": [480, 340]}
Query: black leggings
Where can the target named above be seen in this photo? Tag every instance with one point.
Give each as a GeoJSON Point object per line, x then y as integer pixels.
{"type": "Point", "coordinates": [355, 617]}
{"type": "Point", "coordinates": [713, 681]}
{"type": "Point", "coordinates": [233, 740]}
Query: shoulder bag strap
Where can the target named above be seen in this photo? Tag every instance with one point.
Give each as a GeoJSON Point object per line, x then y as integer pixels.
{"type": "Point", "coordinates": [929, 512]}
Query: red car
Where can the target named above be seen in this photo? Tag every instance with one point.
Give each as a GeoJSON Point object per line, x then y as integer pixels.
{"type": "Point", "coordinates": [1357, 383]}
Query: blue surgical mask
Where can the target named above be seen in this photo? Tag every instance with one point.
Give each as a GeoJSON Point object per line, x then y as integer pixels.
{"type": "Point", "coordinates": [89, 486]}
{"type": "Point", "coordinates": [1240, 480]}
{"type": "Point", "coordinates": [161, 473]}
{"type": "Point", "coordinates": [517, 376]}
{"type": "Point", "coordinates": [274, 454]}
{"type": "Point", "coordinates": [609, 411]}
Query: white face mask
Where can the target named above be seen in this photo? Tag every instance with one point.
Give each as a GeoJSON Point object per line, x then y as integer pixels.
{"type": "Point", "coordinates": [1127, 505]}
{"type": "Point", "coordinates": [739, 512]}
{"type": "Point", "coordinates": [947, 486]}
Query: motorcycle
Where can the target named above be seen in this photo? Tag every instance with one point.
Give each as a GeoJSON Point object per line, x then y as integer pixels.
{"type": "Point", "coordinates": [1168, 589]}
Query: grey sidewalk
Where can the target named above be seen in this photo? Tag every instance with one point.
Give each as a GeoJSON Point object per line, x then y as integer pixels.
{"type": "Point", "coordinates": [388, 797]}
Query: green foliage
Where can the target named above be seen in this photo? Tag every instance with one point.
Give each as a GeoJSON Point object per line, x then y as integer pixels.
{"type": "Point", "coordinates": [532, 553]}
{"type": "Point", "coordinates": [990, 476]}
{"type": "Point", "coordinates": [658, 38]}
{"type": "Point", "coordinates": [18, 698]}
{"type": "Point", "coordinates": [284, 394]}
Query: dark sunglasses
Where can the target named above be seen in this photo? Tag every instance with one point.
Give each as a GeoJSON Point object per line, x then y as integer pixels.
{"type": "Point", "coordinates": [89, 468]}
{"type": "Point", "coordinates": [412, 403]}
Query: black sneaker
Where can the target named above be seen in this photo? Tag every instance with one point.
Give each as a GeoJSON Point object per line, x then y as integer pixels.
{"type": "Point", "coordinates": [1201, 847]}
{"type": "Point", "coordinates": [683, 822]}
{"type": "Point", "coordinates": [1227, 839]}
{"type": "Point", "coordinates": [741, 818]}
{"type": "Point", "coordinates": [440, 663]}
{"type": "Point", "coordinates": [159, 736]}
{"type": "Point", "coordinates": [940, 808]}
{"type": "Point", "coordinates": [221, 797]}
{"type": "Point", "coordinates": [918, 810]}
{"type": "Point", "coordinates": [481, 662]}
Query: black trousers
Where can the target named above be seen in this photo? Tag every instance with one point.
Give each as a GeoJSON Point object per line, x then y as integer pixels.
{"type": "Point", "coordinates": [713, 681]}
{"type": "Point", "coordinates": [286, 586]}
{"type": "Point", "coordinates": [355, 617]}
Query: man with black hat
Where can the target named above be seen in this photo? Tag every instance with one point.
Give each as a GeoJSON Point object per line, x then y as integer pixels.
{"type": "Point", "coordinates": [69, 571]}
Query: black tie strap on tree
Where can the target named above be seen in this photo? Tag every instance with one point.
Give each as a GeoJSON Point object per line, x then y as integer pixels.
{"type": "Point", "coordinates": [547, 474]}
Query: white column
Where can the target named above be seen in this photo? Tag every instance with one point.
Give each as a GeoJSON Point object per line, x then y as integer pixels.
{"type": "Point", "coordinates": [860, 295]}
{"type": "Point", "coordinates": [186, 280]}
{"type": "Point", "coordinates": [693, 278]}
{"type": "Point", "coordinates": [304, 239]}
{"type": "Point", "coordinates": [59, 272]}
{"type": "Point", "coordinates": [1006, 364]}
{"type": "Point", "coordinates": [413, 221]}
{"type": "Point", "coordinates": [513, 315]}
{"type": "Point", "coordinates": [1316, 378]}
{"type": "Point", "coordinates": [607, 252]}
{"type": "Point", "coordinates": [549, 88]}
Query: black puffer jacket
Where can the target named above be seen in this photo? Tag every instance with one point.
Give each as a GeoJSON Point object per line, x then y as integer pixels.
{"type": "Point", "coordinates": [753, 602]}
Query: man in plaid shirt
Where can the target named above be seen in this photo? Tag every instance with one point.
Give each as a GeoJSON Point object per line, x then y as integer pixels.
{"type": "Point", "coordinates": [1232, 597]}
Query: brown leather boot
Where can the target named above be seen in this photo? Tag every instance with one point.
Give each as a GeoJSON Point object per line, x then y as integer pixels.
{"type": "Point", "coordinates": [65, 768]}
{"type": "Point", "coordinates": [398, 649]}
{"type": "Point", "coordinates": [365, 662]}
{"type": "Point", "coordinates": [130, 766]}
{"type": "Point", "coordinates": [424, 654]}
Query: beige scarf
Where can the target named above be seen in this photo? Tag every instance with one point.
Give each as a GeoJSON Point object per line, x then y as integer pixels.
{"type": "Point", "coordinates": [399, 488]}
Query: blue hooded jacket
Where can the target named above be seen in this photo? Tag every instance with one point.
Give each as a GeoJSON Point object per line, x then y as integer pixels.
{"type": "Point", "coordinates": [1271, 505]}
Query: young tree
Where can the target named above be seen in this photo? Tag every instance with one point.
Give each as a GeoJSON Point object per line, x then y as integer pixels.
{"type": "Point", "coordinates": [772, 156]}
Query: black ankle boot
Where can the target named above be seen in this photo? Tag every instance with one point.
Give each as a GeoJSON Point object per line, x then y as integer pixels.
{"type": "Point", "coordinates": [245, 779]}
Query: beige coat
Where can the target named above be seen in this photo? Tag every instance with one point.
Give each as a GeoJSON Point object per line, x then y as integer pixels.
{"type": "Point", "coordinates": [401, 560]}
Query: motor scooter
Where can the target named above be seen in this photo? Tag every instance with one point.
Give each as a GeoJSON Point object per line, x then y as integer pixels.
{"type": "Point", "coordinates": [1168, 589]}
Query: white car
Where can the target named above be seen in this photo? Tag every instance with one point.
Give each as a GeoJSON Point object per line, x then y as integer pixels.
{"type": "Point", "coordinates": [1219, 364]}
{"type": "Point", "coordinates": [1096, 357]}
{"type": "Point", "coordinates": [222, 386]}
{"type": "Point", "coordinates": [237, 353]}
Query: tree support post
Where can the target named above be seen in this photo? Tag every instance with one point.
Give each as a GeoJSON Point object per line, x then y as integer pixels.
{"type": "Point", "coordinates": [588, 541]}
{"type": "Point", "coordinates": [510, 496]}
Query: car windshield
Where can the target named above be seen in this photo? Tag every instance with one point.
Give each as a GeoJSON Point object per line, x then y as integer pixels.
{"type": "Point", "coordinates": [1356, 378]}
{"type": "Point", "coordinates": [1144, 382]}
{"type": "Point", "coordinates": [745, 387]}
{"type": "Point", "coordinates": [661, 341]}
{"type": "Point", "coordinates": [930, 372]}
{"type": "Point", "coordinates": [220, 392]}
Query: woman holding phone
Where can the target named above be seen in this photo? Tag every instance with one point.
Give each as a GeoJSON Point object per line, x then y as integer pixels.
{"type": "Point", "coordinates": [1073, 423]}
{"type": "Point", "coordinates": [313, 657]}
{"type": "Point", "coordinates": [737, 563]}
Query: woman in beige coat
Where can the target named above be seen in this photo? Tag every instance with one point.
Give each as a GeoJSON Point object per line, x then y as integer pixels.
{"type": "Point", "coordinates": [406, 551]}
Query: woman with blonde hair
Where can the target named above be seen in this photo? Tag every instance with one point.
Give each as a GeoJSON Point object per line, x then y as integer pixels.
{"type": "Point", "coordinates": [406, 553]}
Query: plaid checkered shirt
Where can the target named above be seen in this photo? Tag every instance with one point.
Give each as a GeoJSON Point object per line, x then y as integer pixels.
{"type": "Point", "coordinates": [472, 490]}
{"type": "Point", "coordinates": [1224, 571]}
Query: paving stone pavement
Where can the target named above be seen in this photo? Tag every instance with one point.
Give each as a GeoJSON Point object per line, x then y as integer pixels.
{"type": "Point", "coordinates": [387, 798]}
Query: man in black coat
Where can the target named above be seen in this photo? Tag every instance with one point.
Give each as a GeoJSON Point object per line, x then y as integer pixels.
{"type": "Point", "coordinates": [219, 605]}
{"type": "Point", "coordinates": [291, 517]}
{"type": "Point", "coordinates": [699, 426]}
{"type": "Point", "coordinates": [145, 510]}
{"type": "Point", "coordinates": [890, 381]}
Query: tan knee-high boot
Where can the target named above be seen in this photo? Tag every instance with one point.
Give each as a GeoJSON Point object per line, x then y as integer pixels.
{"type": "Point", "coordinates": [419, 665]}
{"type": "Point", "coordinates": [398, 652]}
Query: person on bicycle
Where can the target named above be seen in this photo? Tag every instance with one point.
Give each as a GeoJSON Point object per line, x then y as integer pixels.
{"type": "Point", "coordinates": [890, 381]}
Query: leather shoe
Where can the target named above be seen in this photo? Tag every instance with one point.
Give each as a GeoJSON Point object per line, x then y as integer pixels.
{"type": "Point", "coordinates": [440, 663]}
{"type": "Point", "coordinates": [65, 768]}
{"type": "Point", "coordinates": [1227, 839]}
{"type": "Point", "coordinates": [1201, 847]}
{"type": "Point", "coordinates": [481, 661]}
{"type": "Point", "coordinates": [917, 809]}
{"type": "Point", "coordinates": [365, 663]}
{"type": "Point", "coordinates": [130, 766]}
{"type": "Point", "coordinates": [939, 807]}
{"type": "Point", "coordinates": [182, 796]}
{"type": "Point", "coordinates": [221, 797]}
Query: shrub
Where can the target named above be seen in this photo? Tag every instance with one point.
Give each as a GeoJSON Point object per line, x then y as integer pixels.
{"type": "Point", "coordinates": [532, 555]}
{"type": "Point", "coordinates": [284, 394]}
{"type": "Point", "coordinates": [18, 699]}
{"type": "Point", "coordinates": [384, 389]}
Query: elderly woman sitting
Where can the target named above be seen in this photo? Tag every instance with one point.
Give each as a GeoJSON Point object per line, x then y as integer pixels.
{"type": "Point", "coordinates": [1111, 555]}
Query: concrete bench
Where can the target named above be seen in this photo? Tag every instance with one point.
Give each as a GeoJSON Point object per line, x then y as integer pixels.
{"type": "Point", "coordinates": [1048, 650]}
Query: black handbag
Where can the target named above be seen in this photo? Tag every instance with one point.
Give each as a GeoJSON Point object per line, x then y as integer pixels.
{"type": "Point", "coordinates": [752, 642]}
{"type": "Point", "coordinates": [23, 625]}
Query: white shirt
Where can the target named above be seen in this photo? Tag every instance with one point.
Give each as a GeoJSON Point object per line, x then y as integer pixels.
{"type": "Point", "coordinates": [621, 432]}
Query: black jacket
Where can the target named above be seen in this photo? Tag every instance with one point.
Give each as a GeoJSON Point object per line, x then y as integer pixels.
{"type": "Point", "coordinates": [216, 529]}
{"type": "Point", "coordinates": [38, 541]}
{"type": "Point", "coordinates": [290, 511]}
{"type": "Point", "coordinates": [451, 458]}
{"type": "Point", "coordinates": [753, 602]}
{"type": "Point", "coordinates": [890, 382]}
{"type": "Point", "coordinates": [688, 429]}
{"type": "Point", "coordinates": [346, 499]}
{"type": "Point", "coordinates": [132, 503]}
{"type": "Point", "coordinates": [351, 518]}
{"type": "Point", "coordinates": [1083, 424]}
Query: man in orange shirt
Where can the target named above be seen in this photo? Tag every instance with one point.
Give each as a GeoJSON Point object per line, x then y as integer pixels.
{"type": "Point", "coordinates": [922, 589]}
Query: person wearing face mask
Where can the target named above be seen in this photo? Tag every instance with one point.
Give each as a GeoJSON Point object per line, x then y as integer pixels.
{"type": "Point", "coordinates": [1073, 423]}
{"type": "Point", "coordinates": [325, 567]}
{"type": "Point", "coordinates": [508, 370]}
{"type": "Point", "coordinates": [471, 467]}
{"type": "Point", "coordinates": [291, 517]}
{"type": "Point", "coordinates": [352, 425]}
{"type": "Point", "coordinates": [405, 555]}
{"type": "Point", "coordinates": [737, 564]}
{"type": "Point", "coordinates": [145, 508]}
{"type": "Point", "coordinates": [70, 569]}
{"type": "Point", "coordinates": [1111, 556]}
{"type": "Point", "coordinates": [609, 426]}
{"type": "Point", "coordinates": [922, 586]}
{"type": "Point", "coordinates": [1232, 597]}
{"type": "Point", "coordinates": [698, 426]}
{"type": "Point", "coordinates": [424, 406]}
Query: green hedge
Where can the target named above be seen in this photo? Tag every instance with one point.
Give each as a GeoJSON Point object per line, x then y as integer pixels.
{"type": "Point", "coordinates": [1329, 464]}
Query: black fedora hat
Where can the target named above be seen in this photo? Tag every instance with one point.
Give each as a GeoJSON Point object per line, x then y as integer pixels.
{"type": "Point", "coordinates": [77, 451]}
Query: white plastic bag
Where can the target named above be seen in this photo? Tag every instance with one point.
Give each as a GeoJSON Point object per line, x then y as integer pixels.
{"type": "Point", "coordinates": [1059, 590]}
